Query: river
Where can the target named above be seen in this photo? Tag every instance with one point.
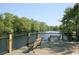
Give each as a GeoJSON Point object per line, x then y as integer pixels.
{"type": "Point", "coordinates": [55, 35]}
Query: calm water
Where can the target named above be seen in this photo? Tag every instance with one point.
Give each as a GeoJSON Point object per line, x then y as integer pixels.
{"type": "Point", "coordinates": [48, 33]}
{"type": "Point", "coordinates": [54, 34]}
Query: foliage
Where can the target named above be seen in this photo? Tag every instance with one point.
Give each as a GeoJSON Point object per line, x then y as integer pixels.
{"type": "Point", "coordinates": [70, 20]}
{"type": "Point", "coordinates": [13, 23]}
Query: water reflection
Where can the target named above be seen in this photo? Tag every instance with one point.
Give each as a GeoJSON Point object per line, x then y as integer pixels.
{"type": "Point", "coordinates": [47, 34]}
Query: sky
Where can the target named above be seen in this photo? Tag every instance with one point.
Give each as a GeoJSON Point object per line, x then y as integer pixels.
{"type": "Point", "coordinates": [51, 13]}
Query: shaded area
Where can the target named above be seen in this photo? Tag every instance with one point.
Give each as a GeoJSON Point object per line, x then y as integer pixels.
{"type": "Point", "coordinates": [3, 44]}
{"type": "Point", "coordinates": [21, 40]}
{"type": "Point", "coordinates": [56, 48]}
{"type": "Point", "coordinates": [60, 47]}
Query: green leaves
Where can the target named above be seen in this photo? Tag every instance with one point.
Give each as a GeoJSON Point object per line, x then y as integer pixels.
{"type": "Point", "coordinates": [69, 21]}
{"type": "Point", "coordinates": [13, 23]}
{"type": "Point", "coordinates": [8, 22]}
{"type": "Point", "coordinates": [1, 26]}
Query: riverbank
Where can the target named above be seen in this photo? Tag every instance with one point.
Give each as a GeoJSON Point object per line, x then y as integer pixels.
{"type": "Point", "coordinates": [52, 48]}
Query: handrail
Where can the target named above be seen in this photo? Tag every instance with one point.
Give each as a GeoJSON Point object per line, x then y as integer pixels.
{"type": "Point", "coordinates": [18, 35]}
{"type": "Point", "coordinates": [3, 38]}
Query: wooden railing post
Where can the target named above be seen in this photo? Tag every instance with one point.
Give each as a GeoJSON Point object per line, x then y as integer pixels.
{"type": "Point", "coordinates": [10, 43]}
{"type": "Point", "coordinates": [29, 34]}
{"type": "Point", "coordinates": [37, 35]}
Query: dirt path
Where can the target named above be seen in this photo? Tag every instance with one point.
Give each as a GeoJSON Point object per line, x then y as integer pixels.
{"type": "Point", "coordinates": [52, 48]}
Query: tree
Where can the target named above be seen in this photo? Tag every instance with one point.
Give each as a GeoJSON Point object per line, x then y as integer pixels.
{"type": "Point", "coordinates": [1, 25]}
{"type": "Point", "coordinates": [43, 26]}
{"type": "Point", "coordinates": [8, 22]}
{"type": "Point", "coordinates": [70, 19]}
{"type": "Point", "coordinates": [13, 23]}
{"type": "Point", "coordinates": [21, 24]}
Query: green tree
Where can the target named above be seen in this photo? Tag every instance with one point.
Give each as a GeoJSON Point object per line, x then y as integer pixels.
{"type": "Point", "coordinates": [1, 25]}
{"type": "Point", "coordinates": [8, 22]}
{"type": "Point", "coordinates": [70, 19]}
{"type": "Point", "coordinates": [43, 26]}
